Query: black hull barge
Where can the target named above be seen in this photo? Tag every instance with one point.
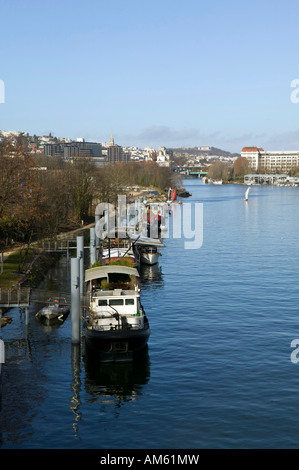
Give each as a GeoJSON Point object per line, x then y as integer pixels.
{"type": "Point", "coordinates": [116, 327]}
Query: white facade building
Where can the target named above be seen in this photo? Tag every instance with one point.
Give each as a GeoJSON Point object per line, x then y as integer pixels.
{"type": "Point", "coordinates": [278, 161]}
{"type": "Point", "coordinates": [163, 158]}
{"type": "Point", "coordinates": [13, 134]}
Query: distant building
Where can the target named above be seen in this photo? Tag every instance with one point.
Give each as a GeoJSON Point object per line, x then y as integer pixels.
{"type": "Point", "coordinates": [252, 154]}
{"type": "Point", "coordinates": [278, 161]}
{"type": "Point", "coordinates": [164, 156]}
{"type": "Point", "coordinates": [115, 153]}
{"type": "Point", "coordinates": [74, 150]}
{"type": "Point", "coordinates": [95, 147]}
{"type": "Point", "coordinates": [53, 150]}
{"type": "Point", "coordinates": [148, 153]}
{"type": "Point", "coordinates": [7, 134]}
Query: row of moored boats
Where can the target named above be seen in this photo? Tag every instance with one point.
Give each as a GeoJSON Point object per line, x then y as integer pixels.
{"type": "Point", "coordinates": [116, 326]}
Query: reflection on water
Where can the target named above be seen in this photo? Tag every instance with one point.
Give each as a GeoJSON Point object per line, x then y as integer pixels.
{"type": "Point", "coordinates": [22, 391]}
{"type": "Point", "coordinates": [116, 382]}
{"type": "Point", "coordinates": [76, 384]}
{"type": "Point", "coordinates": [151, 275]}
{"type": "Point", "coordinates": [106, 383]}
{"type": "Point", "coordinates": [48, 327]}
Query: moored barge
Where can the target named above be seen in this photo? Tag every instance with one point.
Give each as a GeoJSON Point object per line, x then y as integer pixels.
{"type": "Point", "coordinates": [116, 326]}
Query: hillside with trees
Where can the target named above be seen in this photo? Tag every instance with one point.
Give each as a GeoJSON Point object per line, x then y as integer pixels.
{"type": "Point", "coordinates": [195, 151]}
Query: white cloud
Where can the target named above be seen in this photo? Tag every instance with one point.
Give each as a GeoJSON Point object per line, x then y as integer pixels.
{"type": "Point", "coordinates": [159, 135]}
{"type": "Point", "coordinates": [282, 141]}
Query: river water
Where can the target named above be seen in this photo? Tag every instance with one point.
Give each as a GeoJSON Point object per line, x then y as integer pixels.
{"type": "Point", "coordinates": [218, 372]}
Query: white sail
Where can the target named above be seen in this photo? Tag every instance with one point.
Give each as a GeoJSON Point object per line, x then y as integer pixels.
{"type": "Point", "coordinates": [247, 192]}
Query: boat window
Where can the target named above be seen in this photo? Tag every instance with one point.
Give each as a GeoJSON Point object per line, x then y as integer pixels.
{"type": "Point", "coordinates": [116, 301]}
{"type": "Point", "coordinates": [129, 301]}
{"type": "Point", "coordinates": [102, 303]}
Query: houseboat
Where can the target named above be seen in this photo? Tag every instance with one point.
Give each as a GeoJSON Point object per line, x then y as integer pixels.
{"type": "Point", "coordinates": [116, 326]}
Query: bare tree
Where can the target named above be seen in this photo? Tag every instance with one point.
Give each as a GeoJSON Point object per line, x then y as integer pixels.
{"type": "Point", "coordinates": [219, 170]}
{"type": "Point", "coordinates": [241, 166]}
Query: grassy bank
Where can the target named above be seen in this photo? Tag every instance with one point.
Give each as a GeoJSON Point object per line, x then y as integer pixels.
{"type": "Point", "coordinates": [15, 268]}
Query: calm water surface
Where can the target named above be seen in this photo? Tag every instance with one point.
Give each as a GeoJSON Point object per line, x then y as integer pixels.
{"type": "Point", "coordinates": [218, 370]}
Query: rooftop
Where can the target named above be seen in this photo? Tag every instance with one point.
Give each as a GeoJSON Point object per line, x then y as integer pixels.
{"type": "Point", "coordinates": [252, 149]}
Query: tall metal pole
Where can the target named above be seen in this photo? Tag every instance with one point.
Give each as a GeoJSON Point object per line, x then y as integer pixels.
{"type": "Point", "coordinates": [93, 247]}
{"type": "Point", "coordinates": [80, 255]}
{"type": "Point", "coordinates": [2, 346]}
{"type": "Point", "coordinates": [75, 300]}
{"type": "Point", "coordinates": [2, 353]}
{"type": "Point", "coordinates": [97, 218]}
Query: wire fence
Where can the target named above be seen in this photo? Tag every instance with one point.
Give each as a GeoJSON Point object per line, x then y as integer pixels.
{"type": "Point", "coordinates": [14, 297]}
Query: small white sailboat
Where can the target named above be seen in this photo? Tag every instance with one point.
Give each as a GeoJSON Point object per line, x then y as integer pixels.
{"type": "Point", "coordinates": [246, 194]}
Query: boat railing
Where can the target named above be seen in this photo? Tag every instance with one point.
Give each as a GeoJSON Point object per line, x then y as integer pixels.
{"type": "Point", "coordinates": [115, 327]}
{"type": "Point", "coordinates": [99, 315]}
{"type": "Point", "coordinates": [109, 292]}
{"type": "Point", "coordinates": [123, 321]}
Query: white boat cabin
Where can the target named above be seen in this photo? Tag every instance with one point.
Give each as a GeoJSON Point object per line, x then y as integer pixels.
{"type": "Point", "coordinates": [114, 297]}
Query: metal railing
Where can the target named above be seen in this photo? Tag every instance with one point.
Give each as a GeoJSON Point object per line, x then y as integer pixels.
{"type": "Point", "coordinates": [57, 245]}
{"type": "Point", "coordinates": [14, 297]}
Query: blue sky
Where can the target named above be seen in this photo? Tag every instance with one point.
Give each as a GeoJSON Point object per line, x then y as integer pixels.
{"type": "Point", "coordinates": [167, 72]}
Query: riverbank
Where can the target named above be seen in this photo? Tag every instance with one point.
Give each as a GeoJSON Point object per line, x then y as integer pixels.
{"type": "Point", "coordinates": [15, 265]}
{"type": "Point", "coordinates": [23, 266]}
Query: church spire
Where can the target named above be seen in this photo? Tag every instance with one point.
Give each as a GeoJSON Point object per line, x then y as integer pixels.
{"type": "Point", "coordinates": [111, 139]}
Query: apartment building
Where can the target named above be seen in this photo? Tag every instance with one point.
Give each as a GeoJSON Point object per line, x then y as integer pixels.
{"type": "Point", "coordinates": [74, 150]}
{"type": "Point", "coordinates": [274, 161]}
